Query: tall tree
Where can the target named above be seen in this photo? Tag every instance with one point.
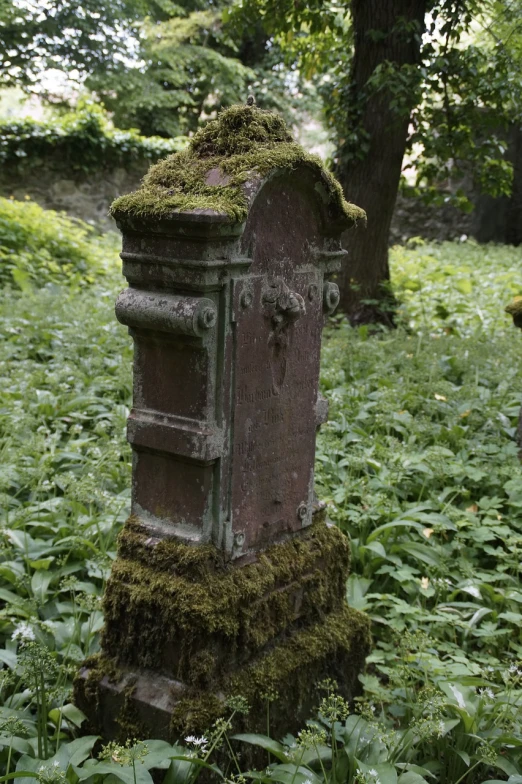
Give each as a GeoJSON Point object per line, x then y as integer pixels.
{"type": "Point", "coordinates": [71, 36]}
{"type": "Point", "coordinates": [409, 75]}
{"type": "Point", "coordinates": [384, 32]}
{"type": "Point", "coordinates": [189, 65]}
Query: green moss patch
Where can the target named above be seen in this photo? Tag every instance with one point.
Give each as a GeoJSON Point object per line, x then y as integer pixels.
{"type": "Point", "coordinates": [336, 647]}
{"type": "Point", "coordinates": [181, 610]}
{"type": "Point", "coordinates": [242, 144]}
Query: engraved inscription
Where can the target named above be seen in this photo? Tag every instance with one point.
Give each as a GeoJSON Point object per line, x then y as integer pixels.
{"type": "Point", "coordinates": [274, 414]}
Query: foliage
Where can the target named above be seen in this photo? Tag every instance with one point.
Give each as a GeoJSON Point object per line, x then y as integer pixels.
{"type": "Point", "coordinates": [419, 467]}
{"type": "Point", "coordinates": [193, 68]}
{"type": "Point", "coordinates": [40, 247]}
{"type": "Point", "coordinates": [66, 36]}
{"type": "Point", "coordinates": [242, 143]}
{"type": "Point", "coordinates": [464, 91]}
{"type": "Point", "coordinates": [190, 65]}
{"type": "Point", "coordinates": [83, 140]}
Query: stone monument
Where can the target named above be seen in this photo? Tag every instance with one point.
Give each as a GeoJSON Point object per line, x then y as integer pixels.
{"type": "Point", "coordinates": [515, 311]}
{"type": "Point", "coordinates": [228, 580]}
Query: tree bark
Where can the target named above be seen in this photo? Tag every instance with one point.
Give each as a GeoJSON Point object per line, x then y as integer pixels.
{"type": "Point", "coordinates": [514, 211]}
{"type": "Point", "coordinates": [372, 182]}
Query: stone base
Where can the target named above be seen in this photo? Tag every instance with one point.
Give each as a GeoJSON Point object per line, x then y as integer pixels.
{"type": "Point", "coordinates": [122, 703]}
{"type": "Point", "coordinates": [185, 631]}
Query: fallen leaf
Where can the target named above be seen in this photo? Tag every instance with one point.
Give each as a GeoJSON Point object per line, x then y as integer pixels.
{"type": "Point", "coordinates": [466, 413]}
{"type": "Point", "coordinates": [472, 508]}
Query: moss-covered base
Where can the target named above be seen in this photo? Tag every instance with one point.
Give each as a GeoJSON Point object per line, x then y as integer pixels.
{"type": "Point", "coordinates": [185, 631]}
{"type": "Point", "coordinates": [121, 703]}
{"type": "Point", "coordinates": [182, 611]}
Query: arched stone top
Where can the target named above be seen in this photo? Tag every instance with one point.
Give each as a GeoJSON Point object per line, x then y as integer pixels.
{"type": "Point", "coordinates": [215, 183]}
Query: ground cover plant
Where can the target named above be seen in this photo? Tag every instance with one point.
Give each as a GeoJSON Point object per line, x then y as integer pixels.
{"type": "Point", "coordinates": [418, 466]}
{"type": "Point", "coordinates": [40, 247]}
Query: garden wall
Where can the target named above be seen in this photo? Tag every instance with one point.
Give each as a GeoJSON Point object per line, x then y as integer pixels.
{"type": "Point", "coordinates": [80, 194]}
{"type": "Point", "coordinates": [81, 164]}
{"type": "Point", "coordinates": [88, 195]}
{"type": "Point", "coordinates": [78, 163]}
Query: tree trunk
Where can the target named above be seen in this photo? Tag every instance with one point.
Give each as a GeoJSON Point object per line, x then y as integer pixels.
{"type": "Point", "coordinates": [382, 34]}
{"type": "Point", "coordinates": [514, 211]}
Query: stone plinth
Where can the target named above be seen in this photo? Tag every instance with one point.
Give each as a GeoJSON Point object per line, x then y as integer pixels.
{"type": "Point", "coordinates": [228, 579]}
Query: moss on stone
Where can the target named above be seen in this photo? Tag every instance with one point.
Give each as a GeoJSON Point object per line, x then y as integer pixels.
{"type": "Point", "coordinates": [242, 144]}
{"type": "Point", "coordinates": [279, 624]}
{"type": "Point", "coordinates": [515, 310]}
{"type": "Point", "coordinates": [335, 647]}
{"type": "Point", "coordinates": [180, 609]}
{"type": "Point", "coordinates": [515, 306]}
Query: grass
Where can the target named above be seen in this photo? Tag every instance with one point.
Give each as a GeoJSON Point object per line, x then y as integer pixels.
{"type": "Point", "coordinates": [418, 464]}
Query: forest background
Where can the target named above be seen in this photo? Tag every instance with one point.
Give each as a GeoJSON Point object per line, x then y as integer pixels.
{"type": "Point", "coordinates": [419, 461]}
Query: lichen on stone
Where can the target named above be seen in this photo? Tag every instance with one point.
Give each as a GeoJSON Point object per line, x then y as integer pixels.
{"type": "Point", "coordinates": [242, 144]}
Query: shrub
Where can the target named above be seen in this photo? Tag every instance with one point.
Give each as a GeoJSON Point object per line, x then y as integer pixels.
{"type": "Point", "coordinates": [40, 247]}
{"type": "Point", "coordinates": [83, 140]}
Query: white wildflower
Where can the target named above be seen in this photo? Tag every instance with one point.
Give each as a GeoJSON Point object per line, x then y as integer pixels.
{"type": "Point", "coordinates": [23, 632]}
{"type": "Point", "coordinates": [200, 744]}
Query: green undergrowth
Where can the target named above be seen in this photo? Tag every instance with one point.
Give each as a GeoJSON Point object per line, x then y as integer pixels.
{"type": "Point", "coordinates": [243, 143]}
{"type": "Point", "coordinates": [419, 467]}
{"type": "Point", "coordinates": [45, 248]}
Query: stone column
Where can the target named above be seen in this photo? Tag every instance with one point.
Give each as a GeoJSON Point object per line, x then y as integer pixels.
{"type": "Point", "coordinates": [228, 578]}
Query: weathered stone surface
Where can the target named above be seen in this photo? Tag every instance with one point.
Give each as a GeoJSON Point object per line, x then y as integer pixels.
{"type": "Point", "coordinates": [228, 578]}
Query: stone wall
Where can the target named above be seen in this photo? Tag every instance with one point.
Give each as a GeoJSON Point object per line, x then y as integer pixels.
{"type": "Point", "coordinates": [85, 195]}
{"type": "Point", "coordinates": [88, 195]}
{"type": "Point", "coordinates": [414, 218]}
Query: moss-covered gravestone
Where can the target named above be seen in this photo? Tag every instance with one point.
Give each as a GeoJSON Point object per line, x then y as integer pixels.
{"type": "Point", "coordinates": [228, 580]}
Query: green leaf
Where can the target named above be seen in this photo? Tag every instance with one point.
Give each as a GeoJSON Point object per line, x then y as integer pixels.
{"type": "Point", "coordinates": [410, 777]}
{"type": "Point", "coordinates": [384, 772]}
{"type": "Point", "coordinates": [264, 742]}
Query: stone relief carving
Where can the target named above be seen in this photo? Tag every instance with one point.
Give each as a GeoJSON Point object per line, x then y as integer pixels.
{"type": "Point", "coordinates": [284, 307]}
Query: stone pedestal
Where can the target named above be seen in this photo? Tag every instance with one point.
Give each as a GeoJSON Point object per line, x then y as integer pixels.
{"type": "Point", "coordinates": [228, 579]}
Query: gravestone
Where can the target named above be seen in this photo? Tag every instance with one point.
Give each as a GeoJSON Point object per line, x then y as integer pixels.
{"type": "Point", "coordinates": [515, 311]}
{"type": "Point", "coordinates": [228, 578]}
